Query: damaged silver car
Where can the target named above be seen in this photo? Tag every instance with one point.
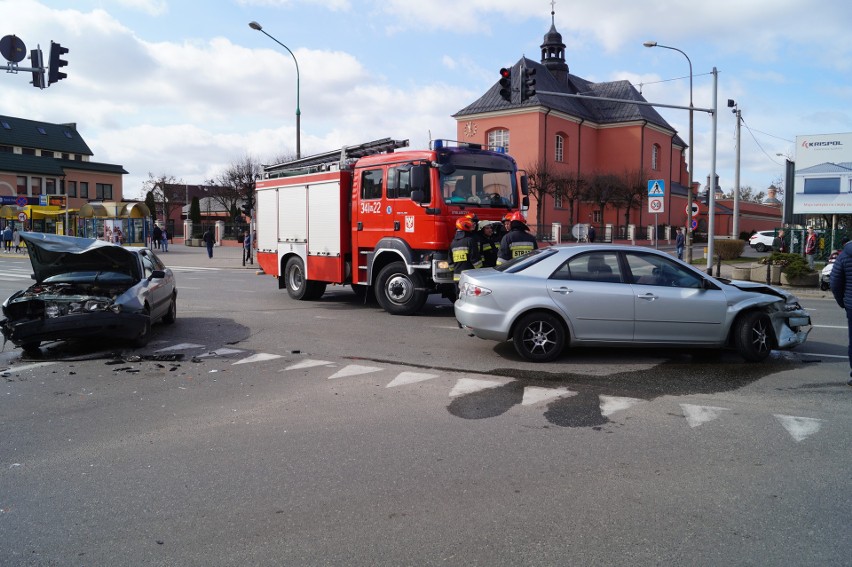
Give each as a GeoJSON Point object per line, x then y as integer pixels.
{"type": "Point", "coordinates": [88, 288]}
{"type": "Point", "coordinates": [605, 295]}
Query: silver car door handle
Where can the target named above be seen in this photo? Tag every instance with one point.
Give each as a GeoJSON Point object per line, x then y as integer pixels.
{"type": "Point", "coordinates": [563, 290]}
{"type": "Point", "coordinates": [648, 296]}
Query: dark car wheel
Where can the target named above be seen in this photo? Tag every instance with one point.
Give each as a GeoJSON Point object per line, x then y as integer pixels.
{"type": "Point", "coordinates": [753, 336]}
{"type": "Point", "coordinates": [298, 286]}
{"type": "Point", "coordinates": [31, 347]}
{"type": "Point", "coordinates": [760, 247]}
{"type": "Point", "coordinates": [145, 335]}
{"type": "Point", "coordinates": [398, 292]}
{"type": "Point", "coordinates": [539, 337]}
{"type": "Point", "coordinates": [171, 314]}
{"type": "Point", "coordinates": [824, 286]}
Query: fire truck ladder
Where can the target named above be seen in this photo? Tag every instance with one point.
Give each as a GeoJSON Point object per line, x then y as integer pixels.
{"type": "Point", "coordinates": [324, 161]}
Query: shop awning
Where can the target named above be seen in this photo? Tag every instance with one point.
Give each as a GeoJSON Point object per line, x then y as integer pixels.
{"type": "Point", "coordinates": [93, 210]}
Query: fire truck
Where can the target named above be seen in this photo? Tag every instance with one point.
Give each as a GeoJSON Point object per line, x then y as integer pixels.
{"type": "Point", "coordinates": [378, 219]}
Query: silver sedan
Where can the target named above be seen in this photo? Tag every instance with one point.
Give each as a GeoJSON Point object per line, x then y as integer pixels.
{"type": "Point", "coordinates": [603, 294]}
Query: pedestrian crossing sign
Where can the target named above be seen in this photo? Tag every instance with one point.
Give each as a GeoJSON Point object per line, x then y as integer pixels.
{"type": "Point", "coordinates": [656, 188]}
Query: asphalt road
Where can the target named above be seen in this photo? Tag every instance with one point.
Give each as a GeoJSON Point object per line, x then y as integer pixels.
{"type": "Point", "coordinates": [262, 431]}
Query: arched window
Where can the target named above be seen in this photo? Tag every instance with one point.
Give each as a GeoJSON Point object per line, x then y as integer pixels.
{"type": "Point", "coordinates": [499, 139]}
{"type": "Point", "coordinates": [559, 146]}
{"type": "Point", "coordinates": [655, 157]}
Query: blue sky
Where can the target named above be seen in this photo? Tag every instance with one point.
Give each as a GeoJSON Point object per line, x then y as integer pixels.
{"type": "Point", "coordinates": [184, 88]}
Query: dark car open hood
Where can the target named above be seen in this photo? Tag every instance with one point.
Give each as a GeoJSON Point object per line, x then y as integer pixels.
{"type": "Point", "coordinates": [53, 254]}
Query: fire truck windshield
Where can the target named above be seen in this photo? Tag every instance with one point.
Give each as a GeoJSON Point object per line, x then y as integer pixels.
{"type": "Point", "coordinates": [479, 187]}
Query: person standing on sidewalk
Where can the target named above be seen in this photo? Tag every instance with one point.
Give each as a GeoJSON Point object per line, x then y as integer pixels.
{"type": "Point", "coordinates": [16, 240]}
{"type": "Point", "coordinates": [208, 242]}
{"type": "Point", "coordinates": [679, 243]}
{"type": "Point", "coordinates": [810, 247]}
{"type": "Point", "coordinates": [247, 248]}
{"type": "Point", "coordinates": [156, 236]}
{"type": "Point", "coordinates": [841, 289]}
{"type": "Point", "coordinates": [7, 238]}
{"type": "Point", "coordinates": [164, 243]}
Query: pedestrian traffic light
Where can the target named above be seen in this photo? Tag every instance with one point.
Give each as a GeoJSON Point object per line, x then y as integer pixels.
{"type": "Point", "coordinates": [528, 84]}
{"type": "Point", "coordinates": [55, 62]}
{"type": "Point", "coordinates": [38, 68]}
{"type": "Point", "coordinates": [506, 84]}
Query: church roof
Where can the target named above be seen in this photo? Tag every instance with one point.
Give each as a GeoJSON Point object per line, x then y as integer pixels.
{"type": "Point", "coordinates": [600, 112]}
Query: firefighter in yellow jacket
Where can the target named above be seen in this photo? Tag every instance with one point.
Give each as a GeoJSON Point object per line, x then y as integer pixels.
{"type": "Point", "coordinates": [518, 241]}
{"type": "Point", "coordinates": [464, 249]}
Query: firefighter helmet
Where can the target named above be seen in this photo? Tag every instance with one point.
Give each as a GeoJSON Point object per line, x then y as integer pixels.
{"type": "Point", "coordinates": [518, 216]}
{"type": "Point", "coordinates": [464, 224]}
{"type": "Point", "coordinates": [473, 218]}
{"type": "Point", "coordinates": [507, 217]}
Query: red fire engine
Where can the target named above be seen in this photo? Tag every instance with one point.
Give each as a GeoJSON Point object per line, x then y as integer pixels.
{"type": "Point", "coordinates": [378, 220]}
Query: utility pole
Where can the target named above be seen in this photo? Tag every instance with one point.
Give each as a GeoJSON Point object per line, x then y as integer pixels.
{"type": "Point", "coordinates": [735, 226]}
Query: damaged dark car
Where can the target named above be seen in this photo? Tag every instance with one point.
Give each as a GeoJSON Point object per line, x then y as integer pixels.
{"type": "Point", "coordinates": [88, 289]}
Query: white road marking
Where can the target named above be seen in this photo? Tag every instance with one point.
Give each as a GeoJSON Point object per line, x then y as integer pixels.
{"type": "Point", "coordinates": [472, 385]}
{"type": "Point", "coordinates": [181, 346]}
{"type": "Point", "coordinates": [308, 364]}
{"type": "Point", "coordinates": [829, 327]}
{"type": "Point", "coordinates": [28, 366]}
{"type": "Point", "coordinates": [820, 354]}
{"type": "Point", "coordinates": [259, 357]}
{"type": "Point", "coordinates": [612, 404]}
{"type": "Point", "coordinates": [220, 352]}
{"type": "Point", "coordinates": [536, 394]}
{"type": "Point", "coordinates": [800, 428]}
{"type": "Point", "coordinates": [353, 370]}
{"type": "Point", "coordinates": [696, 415]}
{"type": "Point", "coordinates": [405, 378]}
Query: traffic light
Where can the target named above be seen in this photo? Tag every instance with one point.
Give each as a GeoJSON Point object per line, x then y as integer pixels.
{"type": "Point", "coordinates": [506, 84]}
{"type": "Point", "coordinates": [528, 84]}
{"type": "Point", "coordinates": [38, 68]}
{"type": "Point", "coordinates": [53, 72]}
{"type": "Point", "coordinates": [248, 205]}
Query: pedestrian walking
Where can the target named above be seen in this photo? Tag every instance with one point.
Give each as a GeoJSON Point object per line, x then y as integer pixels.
{"type": "Point", "coordinates": [518, 242]}
{"type": "Point", "coordinates": [156, 236]}
{"type": "Point", "coordinates": [208, 242]}
{"type": "Point", "coordinates": [16, 240]}
{"type": "Point", "coordinates": [679, 243]}
{"type": "Point", "coordinates": [810, 247]}
{"type": "Point", "coordinates": [164, 243]}
{"type": "Point", "coordinates": [7, 238]}
{"type": "Point", "coordinates": [841, 289]}
{"type": "Point", "coordinates": [247, 248]}
{"type": "Point", "coordinates": [591, 234]}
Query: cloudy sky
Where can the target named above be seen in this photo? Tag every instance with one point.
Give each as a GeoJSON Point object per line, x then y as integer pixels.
{"type": "Point", "coordinates": [183, 88]}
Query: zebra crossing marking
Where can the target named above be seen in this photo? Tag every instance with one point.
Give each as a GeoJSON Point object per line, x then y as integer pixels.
{"type": "Point", "coordinates": [799, 428]}
{"type": "Point", "coordinates": [309, 363]}
{"type": "Point", "coordinates": [353, 370]}
{"type": "Point", "coordinates": [696, 415]}
{"type": "Point", "coordinates": [534, 395]}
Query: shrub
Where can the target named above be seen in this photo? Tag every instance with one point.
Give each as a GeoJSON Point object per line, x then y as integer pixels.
{"type": "Point", "coordinates": [729, 249]}
{"type": "Point", "coordinates": [778, 259]}
{"type": "Point", "coordinates": [797, 266]}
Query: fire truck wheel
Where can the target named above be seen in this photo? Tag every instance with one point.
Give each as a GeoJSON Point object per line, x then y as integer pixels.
{"type": "Point", "coordinates": [297, 286]}
{"type": "Point", "coordinates": [398, 292]}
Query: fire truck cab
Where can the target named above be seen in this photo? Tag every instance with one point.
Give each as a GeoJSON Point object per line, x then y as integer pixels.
{"type": "Point", "coordinates": [377, 219]}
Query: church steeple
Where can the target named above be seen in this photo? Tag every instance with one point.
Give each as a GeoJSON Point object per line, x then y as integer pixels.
{"type": "Point", "coordinates": [553, 49]}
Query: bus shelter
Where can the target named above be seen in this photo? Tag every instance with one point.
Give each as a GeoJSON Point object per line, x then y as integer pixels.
{"type": "Point", "coordinates": [119, 222]}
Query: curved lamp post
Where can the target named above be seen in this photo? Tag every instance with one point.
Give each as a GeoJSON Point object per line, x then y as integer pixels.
{"type": "Point", "coordinates": [258, 27]}
{"type": "Point", "coordinates": [689, 192]}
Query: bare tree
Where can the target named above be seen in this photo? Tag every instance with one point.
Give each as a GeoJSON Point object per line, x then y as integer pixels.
{"type": "Point", "coordinates": [235, 184]}
{"type": "Point", "coordinates": [748, 194]}
{"type": "Point", "coordinates": [569, 188]}
{"type": "Point", "coordinates": [632, 191]}
{"type": "Point", "coordinates": [168, 193]}
{"type": "Point", "coordinates": [603, 189]}
{"type": "Point", "coordinates": [541, 183]}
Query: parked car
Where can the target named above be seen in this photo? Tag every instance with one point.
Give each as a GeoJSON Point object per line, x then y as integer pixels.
{"type": "Point", "coordinates": [600, 295]}
{"type": "Point", "coordinates": [88, 289]}
{"type": "Point", "coordinates": [762, 240]}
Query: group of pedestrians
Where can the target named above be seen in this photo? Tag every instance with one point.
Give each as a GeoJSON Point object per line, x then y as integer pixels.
{"type": "Point", "coordinates": [160, 238]}
{"type": "Point", "coordinates": [11, 237]}
{"type": "Point", "coordinates": [488, 243]}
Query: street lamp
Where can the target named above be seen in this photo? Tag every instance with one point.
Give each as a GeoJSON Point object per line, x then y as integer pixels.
{"type": "Point", "coordinates": [691, 151]}
{"type": "Point", "coordinates": [257, 26]}
{"type": "Point", "coordinates": [732, 104]}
